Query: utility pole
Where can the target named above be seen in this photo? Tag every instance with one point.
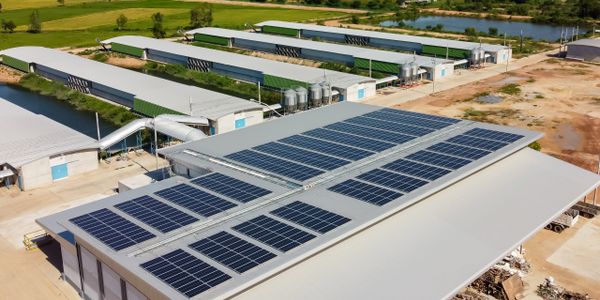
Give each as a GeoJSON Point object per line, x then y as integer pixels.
{"type": "Point", "coordinates": [577, 33]}
{"type": "Point", "coordinates": [258, 92]}
{"type": "Point", "coordinates": [190, 99]}
{"type": "Point", "coordinates": [155, 142]}
{"type": "Point", "coordinates": [370, 66]}
{"type": "Point", "coordinates": [98, 126]}
{"type": "Point", "coordinates": [504, 42]}
{"type": "Point", "coordinates": [521, 42]}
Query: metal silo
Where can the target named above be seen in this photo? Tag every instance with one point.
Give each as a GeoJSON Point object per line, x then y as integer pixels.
{"type": "Point", "coordinates": [481, 55]}
{"type": "Point", "coordinates": [414, 71]}
{"type": "Point", "coordinates": [301, 98]}
{"type": "Point", "coordinates": [406, 72]}
{"type": "Point", "coordinates": [475, 56]}
{"type": "Point", "coordinates": [316, 95]}
{"type": "Point", "coordinates": [326, 92]}
{"type": "Point", "coordinates": [289, 101]}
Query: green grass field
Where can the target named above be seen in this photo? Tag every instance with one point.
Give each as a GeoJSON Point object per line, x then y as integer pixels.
{"type": "Point", "coordinates": [78, 25]}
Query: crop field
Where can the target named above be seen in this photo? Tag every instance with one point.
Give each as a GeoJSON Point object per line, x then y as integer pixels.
{"type": "Point", "coordinates": [18, 4]}
{"type": "Point", "coordinates": [78, 25]}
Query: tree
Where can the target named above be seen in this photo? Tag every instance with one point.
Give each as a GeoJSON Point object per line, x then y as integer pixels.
{"type": "Point", "coordinates": [8, 26]}
{"type": "Point", "coordinates": [493, 31]}
{"type": "Point", "coordinates": [61, 2]}
{"type": "Point", "coordinates": [35, 25]}
{"type": "Point", "coordinates": [121, 22]}
{"type": "Point", "coordinates": [356, 4]}
{"type": "Point", "coordinates": [201, 16]}
{"type": "Point", "coordinates": [355, 19]}
{"type": "Point", "coordinates": [470, 31]}
{"type": "Point", "coordinates": [157, 26]}
{"type": "Point", "coordinates": [333, 3]}
{"type": "Point", "coordinates": [0, 7]}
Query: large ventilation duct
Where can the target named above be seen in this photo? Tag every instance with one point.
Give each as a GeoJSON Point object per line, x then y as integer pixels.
{"type": "Point", "coordinates": [170, 125]}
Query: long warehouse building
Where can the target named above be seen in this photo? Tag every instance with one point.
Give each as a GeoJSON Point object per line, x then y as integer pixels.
{"type": "Point", "coordinates": [473, 52]}
{"type": "Point", "coordinates": [145, 94]}
{"type": "Point", "coordinates": [406, 66]}
{"type": "Point", "coordinates": [348, 201]}
{"type": "Point", "coordinates": [271, 74]}
{"type": "Point", "coordinates": [35, 150]}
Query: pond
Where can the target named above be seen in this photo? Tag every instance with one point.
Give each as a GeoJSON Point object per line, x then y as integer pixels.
{"type": "Point", "coordinates": [544, 32]}
{"type": "Point", "coordinates": [59, 111]}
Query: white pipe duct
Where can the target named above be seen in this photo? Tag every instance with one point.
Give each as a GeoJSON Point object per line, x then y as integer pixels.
{"type": "Point", "coordinates": [166, 124]}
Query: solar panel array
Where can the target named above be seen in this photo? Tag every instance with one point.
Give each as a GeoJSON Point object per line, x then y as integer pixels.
{"type": "Point", "coordinates": [393, 180]}
{"type": "Point", "coordinates": [161, 216]}
{"type": "Point", "coordinates": [196, 200]}
{"type": "Point", "coordinates": [310, 216]}
{"type": "Point", "coordinates": [112, 229]}
{"type": "Point", "coordinates": [231, 187]}
{"type": "Point", "coordinates": [276, 234]}
{"type": "Point", "coordinates": [186, 273]}
{"type": "Point", "coordinates": [311, 153]}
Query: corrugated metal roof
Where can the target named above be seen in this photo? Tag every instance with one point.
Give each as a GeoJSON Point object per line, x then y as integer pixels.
{"type": "Point", "coordinates": [388, 36]}
{"type": "Point", "coordinates": [358, 52]}
{"type": "Point", "coordinates": [271, 67]}
{"type": "Point", "coordinates": [586, 42]}
{"type": "Point", "coordinates": [165, 93]}
{"type": "Point", "coordinates": [28, 136]}
{"type": "Point", "coordinates": [484, 191]}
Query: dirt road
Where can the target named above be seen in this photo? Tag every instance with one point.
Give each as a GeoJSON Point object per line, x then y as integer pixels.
{"type": "Point", "coordinates": [290, 6]}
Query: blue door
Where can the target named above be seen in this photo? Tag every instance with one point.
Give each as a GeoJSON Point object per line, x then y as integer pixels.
{"type": "Point", "coordinates": [241, 123]}
{"type": "Point", "coordinates": [212, 130]}
{"type": "Point", "coordinates": [361, 93]}
{"type": "Point", "coordinates": [443, 72]}
{"type": "Point", "coordinates": [60, 172]}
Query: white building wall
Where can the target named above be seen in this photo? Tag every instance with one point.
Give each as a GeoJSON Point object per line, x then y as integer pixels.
{"type": "Point", "coordinates": [133, 293]}
{"type": "Point", "coordinates": [112, 284]}
{"type": "Point", "coordinates": [91, 283]}
{"type": "Point", "coordinates": [352, 93]}
{"type": "Point", "coordinates": [82, 162]}
{"type": "Point", "coordinates": [502, 56]}
{"type": "Point", "coordinates": [70, 267]}
{"type": "Point", "coordinates": [38, 173]}
{"type": "Point", "coordinates": [35, 174]}
{"type": "Point", "coordinates": [227, 123]}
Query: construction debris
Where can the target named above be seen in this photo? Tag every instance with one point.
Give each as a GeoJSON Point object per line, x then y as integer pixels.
{"type": "Point", "coordinates": [551, 291]}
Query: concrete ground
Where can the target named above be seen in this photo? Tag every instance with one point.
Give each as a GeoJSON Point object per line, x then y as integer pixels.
{"type": "Point", "coordinates": [35, 274]}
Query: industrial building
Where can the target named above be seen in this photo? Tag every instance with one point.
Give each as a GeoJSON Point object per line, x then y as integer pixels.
{"type": "Point", "coordinates": [271, 74]}
{"type": "Point", "coordinates": [147, 95]}
{"type": "Point", "coordinates": [475, 53]}
{"type": "Point", "coordinates": [584, 50]}
{"type": "Point", "coordinates": [36, 151]}
{"type": "Point", "coordinates": [347, 201]}
{"type": "Point", "coordinates": [409, 68]}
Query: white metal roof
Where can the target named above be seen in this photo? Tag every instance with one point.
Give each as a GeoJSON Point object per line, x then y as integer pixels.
{"type": "Point", "coordinates": [586, 42]}
{"type": "Point", "coordinates": [387, 36]}
{"type": "Point", "coordinates": [165, 93]}
{"type": "Point", "coordinates": [266, 66]}
{"type": "Point", "coordinates": [28, 136]}
{"type": "Point", "coordinates": [358, 52]}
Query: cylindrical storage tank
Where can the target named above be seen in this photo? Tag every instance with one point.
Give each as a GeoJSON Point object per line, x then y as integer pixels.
{"type": "Point", "coordinates": [475, 56]}
{"type": "Point", "coordinates": [316, 95]}
{"type": "Point", "coordinates": [414, 70]}
{"type": "Point", "coordinates": [481, 55]}
{"type": "Point", "coordinates": [301, 98]}
{"type": "Point", "coordinates": [326, 92]}
{"type": "Point", "coordinates": [406, 71]}
{"type": "Point", "coordinates": [289, 100]}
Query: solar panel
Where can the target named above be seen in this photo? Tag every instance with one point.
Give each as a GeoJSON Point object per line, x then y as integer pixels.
{"type": "Point", "coordinates": [382, 135]}
{"type": "Point", "coordinates": [392, 180]}
{"type": "Point", "coordinates": [416, 169]}
{"type": "Point", "coordinates": [476, 142]}
{"type": "Point", "coordinates": [365, 192]}
{"type": "Point", "coordinates": [113, 230]}
{"type": "Point", "coordinates": [306, 157]}
{"type": "Point", "coordinates": [310, 216]}
{"type": "Point", "coordinates": [275, 165]}
{"type": "Point", "coordinates": [421, 115]}
{"type": "Point", "coordinates": [231, 187]}
{"type": "Point", "coordinates": [437, 159]}
{"type": "Point", "coordinates": [195, 200]}
{"type": "Point", "coordinates": [403, 119]}
{"type": "Point", "coordinates": [390, 126]}
{"type": "Point", "coordinates": [326, 147]}
{"type": "Point", "coordinates": [348, 139]}
{"type": "Point", "coordinates": [274, 233]}
{"type": "Point", "coordinates": [163, 217]}
{"type": "Point", "coordinates": [184, 272]}
{"type": "Point", "coordinates": [232, 251]}
{"type": "Point", "coordinates": [494, 135]}
{"type": "Point", "coordinates": [461, 151]}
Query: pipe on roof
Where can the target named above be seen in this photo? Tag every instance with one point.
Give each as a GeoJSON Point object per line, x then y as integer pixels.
{"type": "Point", "coordinates": [170, 125]}
{"type": "Point", "coordinates": [6, 173]}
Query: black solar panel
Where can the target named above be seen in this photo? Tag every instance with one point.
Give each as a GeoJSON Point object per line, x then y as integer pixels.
{"type": "Point", "coordinates": [163, 217]}
{"type": "Point", "coordinates": [416, 169]}
{"type": "Point", "coordinates": [231, 187]}
{"type": "Point", "coordinates": [494, 135]}
{"type": "Point", "coordinates": [476, 142]}
{"type": "Point", "coordinates": [274, 233]}
{"type": "Point", "coordinates": [113, 230]}
{"type": "Point", "coordinates": [365, 192]}
{"type": "Point", "coordinates": [421, 115]}
{"type": "Point", "coordinates": [326, 147]}
{"type": "Point", "coordinates": [310, 216]}
{"type": "Point", "coordinates": [461, 151]}
{"type": "Point", "coordinates": [275, 165]}
{"type": "Point", "coordinates": [195, 200]}
{"type": "Point", "coordinates": [437, 159]}
{"type": "Point", "coordinates": [348, 139]}
{"type": "Point", "coordinates": [373, 133]}
{"type": "Point", "coordinates": [390, 126]}
{"type": "Point", "coordinates": [306, 157]}
{"type": "Point", "coordinates": [403, 119]}
{"type": "Point", "coordinates": [232, 251]}
{"type": "Point", "coordinates": [184, 272]}
{"type": "Point", "coordinates": [392, 180]}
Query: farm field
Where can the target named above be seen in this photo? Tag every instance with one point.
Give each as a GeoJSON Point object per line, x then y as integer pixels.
{"type": "Point", "coordinates": [79, 25]}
